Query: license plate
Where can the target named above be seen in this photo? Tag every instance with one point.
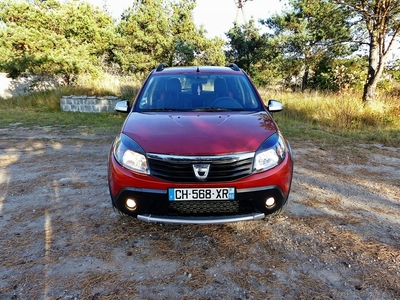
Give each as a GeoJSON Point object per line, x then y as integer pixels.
{"type": "Point", "coordinates": [201, 194]}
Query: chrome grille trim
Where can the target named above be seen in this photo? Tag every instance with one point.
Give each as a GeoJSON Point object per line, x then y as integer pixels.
{"type": "Point", "coordinates": [179, 168]}
{"type": "Point", "coordinates": [207, 158]}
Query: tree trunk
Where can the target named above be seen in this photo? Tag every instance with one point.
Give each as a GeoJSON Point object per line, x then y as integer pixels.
{"type": "Point", "coordinates": [376, 60]}
{"type": "Point", "coordinates": [373, 62]}
{"type": "Point", "coordinates": [304, 81]}
{"type": "Point", "coordinates": [369, 92]}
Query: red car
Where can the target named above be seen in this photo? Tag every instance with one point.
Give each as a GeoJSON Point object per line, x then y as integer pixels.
{"type": "Point", "coordinates": [199, 146]}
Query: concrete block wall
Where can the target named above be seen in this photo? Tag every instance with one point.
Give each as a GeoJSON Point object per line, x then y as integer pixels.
{"type": "Point", "coordinates": [89, 104]}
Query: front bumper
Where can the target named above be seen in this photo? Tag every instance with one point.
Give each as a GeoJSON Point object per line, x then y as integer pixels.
{"type": "Point", "coordinates": [201, 220]}
{"type": "Point", "coordinates": [153, 206]}
{"type": "Point", "coordinates": [152, 203]}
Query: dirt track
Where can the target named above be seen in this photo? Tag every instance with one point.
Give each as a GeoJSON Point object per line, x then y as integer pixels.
{"type": "Point", "coordinates": [60, 238]}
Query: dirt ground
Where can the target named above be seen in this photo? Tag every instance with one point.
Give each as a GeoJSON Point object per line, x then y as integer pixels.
{"type": "Point", "coordinates": [60, 238]}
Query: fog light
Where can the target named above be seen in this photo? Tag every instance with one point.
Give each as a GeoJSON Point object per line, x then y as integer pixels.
{"type": "Point", "coordinates": [131, 204]}
{"type": "Point", "coordinates": [270, 202]}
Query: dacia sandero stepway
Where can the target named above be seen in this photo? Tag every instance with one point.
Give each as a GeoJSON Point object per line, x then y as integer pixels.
{"type": "Point", "coordinates": [199, 146]}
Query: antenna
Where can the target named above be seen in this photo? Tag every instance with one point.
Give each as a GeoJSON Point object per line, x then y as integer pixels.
{"type": "Point", "coordinates": [240, 6]}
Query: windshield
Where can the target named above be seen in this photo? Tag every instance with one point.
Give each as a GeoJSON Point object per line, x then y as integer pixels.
{"type": "Point", "coordinates": [198, 92]}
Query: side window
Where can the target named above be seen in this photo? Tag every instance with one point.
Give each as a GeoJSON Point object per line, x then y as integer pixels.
{"type": "Point", "coordinates": [247, 96]}
{"type": "Point", "coordinates": [154, 91]}
{"type": "Point", "coordinates": [145, 98]}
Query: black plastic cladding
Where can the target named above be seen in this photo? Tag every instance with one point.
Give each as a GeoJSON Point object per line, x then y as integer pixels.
{"type": "Point", "coordinates": [161, 67]}
{"type": "Point", "coordinates": [233, 66]}
{"type": "Point", "coordinates": [158, 204]}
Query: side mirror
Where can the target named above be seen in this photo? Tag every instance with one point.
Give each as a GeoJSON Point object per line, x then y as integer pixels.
{"type": "Point", "coordinates": [122, 106]}
{"type": "Point", "coordinates": [274, 106]}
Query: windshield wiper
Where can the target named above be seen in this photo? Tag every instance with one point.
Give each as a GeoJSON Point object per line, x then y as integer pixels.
{"type": "Point", "coordinates": [161, 109]}
{"type": "Point", "coordinates": [211, 109]}
{"type": "Point", "coordinates": [218, 109]}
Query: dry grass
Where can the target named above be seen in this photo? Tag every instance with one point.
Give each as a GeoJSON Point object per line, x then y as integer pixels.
{"type": "Point", "coordinates": [125, 86]}
{"type": "Point", "coordinates": [262, 259]}
{"type": "Point", "coordinates": [337, 119]}
{"type": "Point", "coordinates": [339, 111]}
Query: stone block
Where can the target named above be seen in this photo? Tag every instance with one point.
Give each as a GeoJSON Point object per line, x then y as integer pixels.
{"type": "Point", "coordinates": [88, 104]}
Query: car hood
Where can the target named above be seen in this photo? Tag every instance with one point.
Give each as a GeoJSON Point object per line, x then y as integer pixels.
{"type": "Point", "coordinates": [204, 133]}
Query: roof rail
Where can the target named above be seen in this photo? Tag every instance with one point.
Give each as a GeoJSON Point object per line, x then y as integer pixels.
{"type": "Point", "coordinates": [161, 67]}
{"type": "Point", "coordinates": [233, 66]}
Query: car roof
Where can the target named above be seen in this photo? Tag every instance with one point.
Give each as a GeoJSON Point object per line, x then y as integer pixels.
{"type": "Point", "coordinates": [230, 69]}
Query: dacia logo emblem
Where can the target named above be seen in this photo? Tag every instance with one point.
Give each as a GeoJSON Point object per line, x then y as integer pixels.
{"type": "Point", "coordinates": [201, 171]}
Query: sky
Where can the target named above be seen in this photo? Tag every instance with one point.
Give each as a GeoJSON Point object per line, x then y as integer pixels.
{"type": "Point", "coordinates": [217, 16]}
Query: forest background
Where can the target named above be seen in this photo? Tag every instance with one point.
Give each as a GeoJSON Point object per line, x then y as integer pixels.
{"type": "Point", "coordinates": [329, 45]}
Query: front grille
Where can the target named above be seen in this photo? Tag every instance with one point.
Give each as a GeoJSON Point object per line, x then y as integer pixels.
{"type": "Point", "coordinates": [180, 168]}
{"type": "Point", "coordinates": [203, 207]}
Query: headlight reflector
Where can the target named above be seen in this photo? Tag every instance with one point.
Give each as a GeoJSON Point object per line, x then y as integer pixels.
{"type": "Point", "coordinates": [270, 154]}
{"type": "Point", "coordinates": [134, 160]}
{"type": "Point", "coordinates": [130, 155]}
{"type": "Point", "coordinates": [266, 160]}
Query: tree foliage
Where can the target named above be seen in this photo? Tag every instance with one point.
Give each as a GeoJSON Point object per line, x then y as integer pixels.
{"type": "Point", "coordinates": [73, 37]}
{"type": "Point", "coordinates": [47, 38]}
{"type": "Point", "coordinates": [310, 32]}
{"type": "Point", "coordinates": [163, 31]}
{"type": "Point", "coordinates": [251, 51]}
{"type": "Point", "coordinates": [312, 40]}
{"type": "Point", "coordinates": [381, 21]}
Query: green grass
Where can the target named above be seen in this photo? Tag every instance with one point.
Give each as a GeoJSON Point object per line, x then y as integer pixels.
{"type": "Point", "coordinates": [99, 123]}
{"type": "Point", "coordinates": [43, 109]}
{"type": "Point", "coordinates": [329, 119]}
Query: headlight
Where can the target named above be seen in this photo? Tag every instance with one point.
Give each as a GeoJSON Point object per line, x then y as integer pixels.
{"type": "Point", "coordinates": [270, 154]}
{"type": "Point", "coordinates": [130, 155]}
